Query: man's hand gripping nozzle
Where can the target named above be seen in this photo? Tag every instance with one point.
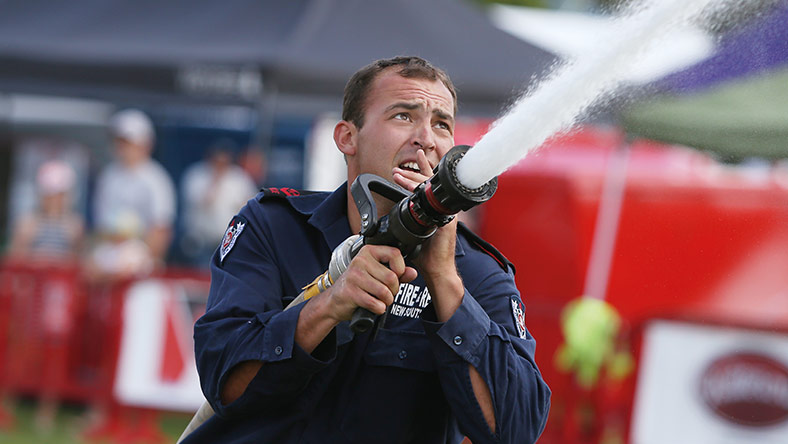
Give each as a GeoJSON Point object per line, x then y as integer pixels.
{"type": "Point", "coordinates": [412, 220]}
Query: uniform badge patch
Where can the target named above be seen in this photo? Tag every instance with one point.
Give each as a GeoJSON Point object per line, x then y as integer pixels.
{"type": "Point", "coordinates": [231, 236]}
{"type": "Point", "coordinates": [518, 312]}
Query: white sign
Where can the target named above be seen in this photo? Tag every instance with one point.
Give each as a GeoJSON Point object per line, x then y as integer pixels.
{"type": "Point", "coordinates": [704, 384]}
{"type": "Point", "coordinates": [156, 367]}
{"type": "Point", "coordinates": [217, 80]}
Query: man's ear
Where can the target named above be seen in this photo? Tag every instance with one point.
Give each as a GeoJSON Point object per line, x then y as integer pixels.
{"type": "Point", "coordinates": [345, 137]}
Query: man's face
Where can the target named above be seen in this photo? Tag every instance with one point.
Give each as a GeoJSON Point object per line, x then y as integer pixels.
{"type": "Point", "coordinates": [403, 117]}
{"type": "Point", "coordinates": [129, 153]}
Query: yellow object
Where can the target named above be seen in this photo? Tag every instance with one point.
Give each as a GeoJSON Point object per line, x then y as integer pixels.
{"type": "Point", "coordinates": [590, 327]}
{"type": "Point", "coordinates": [312, 289]}
{"type": "Point", "coordinates": [320, 284]}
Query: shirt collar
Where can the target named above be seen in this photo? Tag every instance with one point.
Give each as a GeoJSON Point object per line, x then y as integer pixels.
{"type": "Point", "coordinates": [327, 214]}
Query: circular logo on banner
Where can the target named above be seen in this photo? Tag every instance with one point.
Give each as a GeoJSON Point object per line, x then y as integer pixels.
{"type": "Point", "coordinates": [746, 388]}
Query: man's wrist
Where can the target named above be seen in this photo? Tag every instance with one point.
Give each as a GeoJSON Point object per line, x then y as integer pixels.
{"type": "Point", "coordinates": [314, 323]}
{"type": "Point", "coordinates": [449, 282]}
{"type": "Point", "coordinates": [447, 291]}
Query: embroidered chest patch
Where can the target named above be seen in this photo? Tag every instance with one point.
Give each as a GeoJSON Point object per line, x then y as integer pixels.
{"type": "Point", "coordinates": [231, 235]}
{"type": "Point", "coordinates": [518, 312]}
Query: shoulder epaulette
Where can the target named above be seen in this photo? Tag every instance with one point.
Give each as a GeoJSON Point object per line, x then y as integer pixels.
{"type": "Point", "coordinates": [283, 192]}
{"type": "Point", "coordinates": [485, 246]}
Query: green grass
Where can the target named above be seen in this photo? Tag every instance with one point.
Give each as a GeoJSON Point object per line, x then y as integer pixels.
{"type": "Point", "coordinates": [69, 425]}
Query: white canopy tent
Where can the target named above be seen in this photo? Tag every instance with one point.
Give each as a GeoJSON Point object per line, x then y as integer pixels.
{"type": "Point", "coordinates": [570, 34]}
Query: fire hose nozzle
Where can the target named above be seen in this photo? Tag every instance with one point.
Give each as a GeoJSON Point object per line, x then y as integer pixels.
{"type": "Point", "coordinates": [448, 189]}
{"type": "Point", "coordinates": [438, 199]}
{"type": "Point", "coordinates": [415, 217]}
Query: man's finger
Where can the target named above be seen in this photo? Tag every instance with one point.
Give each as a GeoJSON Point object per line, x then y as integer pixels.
{"type": "Point", "coordinates": [409, 274]}
{"type": "Point", "coordinates": [396, 263]}
{"type": "Point", "coordinates": [387, 279]}
{"type": "Point", "coordinates": [424, 164]}
{"type": "Point", "coordinates": [385, 265]}
{"type": "Point", "coordinates": [377, 290]}
{"type": "Point", "coordinates": [389, 269]}
{"type": "Point", "coordinates": [382, 253]}
{"type": "Point", "coordinates": [364, 299]}
{"type": "Point", "coordinates": [408, 179]}
{"type": "Point", "coordinates": [361, 286]}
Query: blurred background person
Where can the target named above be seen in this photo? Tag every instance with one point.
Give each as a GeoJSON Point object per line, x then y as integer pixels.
{"type": "Point", "coordinates": [50, 236]}
{"type": "Point", "coordinates": [134, 211]}
{"type": "Point", "coordinates": [135, 202]}
{"type": "Point", "coordinates": [53, 232]}
{"type": "Point", "coordinates": [213, 191]}
{"type": "Point", "coordinates": [253, 161]}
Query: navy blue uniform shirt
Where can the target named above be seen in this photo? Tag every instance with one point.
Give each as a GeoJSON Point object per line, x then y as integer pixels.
{"type": "Point", "coordinates": [410, 385]}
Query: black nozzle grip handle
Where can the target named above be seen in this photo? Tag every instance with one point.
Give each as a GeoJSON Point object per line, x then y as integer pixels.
{"type": "Point", "coordinates": [362, 320]}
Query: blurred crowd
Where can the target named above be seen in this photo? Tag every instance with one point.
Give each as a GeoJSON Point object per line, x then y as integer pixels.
{"type": "Point", "coordinates": [127, 232]}
{"type": "Point", "coordinates": [134, 206]}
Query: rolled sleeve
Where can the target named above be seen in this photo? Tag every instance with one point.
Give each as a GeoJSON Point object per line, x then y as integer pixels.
{"type": "Point", "coordinates": [286, 369]}
{"type": "Point", "coordinates": [278, 337]}
{"type": "Point", "coordinates": [461, 335]}
{"type": "Point", "coordinates": [482, 333]}
{"type": "Point", "coordinates": [276, 341]}
{"type": "Point", "coordinates": [279, 342]}
{"type": "Point", "coordinates": [244, 321]}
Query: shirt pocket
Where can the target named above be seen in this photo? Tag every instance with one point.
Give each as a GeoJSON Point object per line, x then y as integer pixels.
{"type": "Point", "coordinates": [395, 397]}
{"type": "Point", "coordinates": [401, 349]}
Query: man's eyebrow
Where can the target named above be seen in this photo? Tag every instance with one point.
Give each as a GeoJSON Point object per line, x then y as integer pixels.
{"type": "Point", "coordinates": [443, 115]}
{"type": "Point", "coordinates": [413, 106]}
{"type": "Point", "coordinates": [403, 105]}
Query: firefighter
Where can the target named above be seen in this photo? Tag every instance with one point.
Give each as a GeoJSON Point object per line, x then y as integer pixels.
{"type": "Point", "coordinates": [453, 357]}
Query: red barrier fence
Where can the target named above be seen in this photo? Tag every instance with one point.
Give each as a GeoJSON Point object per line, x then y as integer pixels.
{"type": "Point", "coordinates": [52, 342]}
{"type": "Point", "coordinates": [61, 335]}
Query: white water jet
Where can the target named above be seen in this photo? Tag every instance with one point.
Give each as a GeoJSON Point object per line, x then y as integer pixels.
{"type": "Point", "coordinates": [561, 98]}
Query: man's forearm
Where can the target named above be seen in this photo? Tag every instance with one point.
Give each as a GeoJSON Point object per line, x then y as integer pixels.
{"type": "Point", "coordinates": [239, 378]}
{"type": "Point", "coordinates": [313, 323]}
{"type": "Point", "coordinates": [447, 292]}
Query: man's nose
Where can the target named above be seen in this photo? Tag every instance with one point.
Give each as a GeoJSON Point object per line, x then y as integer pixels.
{"type": "Point", "coordinates": [423, 137]}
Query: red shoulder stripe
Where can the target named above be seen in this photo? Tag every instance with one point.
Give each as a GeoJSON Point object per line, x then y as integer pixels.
{"type": "Point", "coordinates": [486, 247]}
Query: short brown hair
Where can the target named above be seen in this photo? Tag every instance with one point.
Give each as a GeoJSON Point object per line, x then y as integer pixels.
{"type": "Point", "coordinates": [410, 67]}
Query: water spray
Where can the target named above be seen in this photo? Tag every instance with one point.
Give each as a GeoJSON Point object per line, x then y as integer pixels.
{"type": "Point", "coordinates": [554, 106]}
{"type": "Point", "coordinates": [561, 99]}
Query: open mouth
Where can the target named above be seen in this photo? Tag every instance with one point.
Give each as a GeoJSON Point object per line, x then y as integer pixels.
{"type": "Point", "coordinates": [410, 166]}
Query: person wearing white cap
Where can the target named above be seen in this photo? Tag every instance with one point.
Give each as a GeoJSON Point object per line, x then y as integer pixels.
{"type": "Point", "coordinates": [135, 196]}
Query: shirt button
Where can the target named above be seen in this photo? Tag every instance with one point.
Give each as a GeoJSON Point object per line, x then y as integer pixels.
{"type": "Point", "coordinates": [403, 354]}
{"type": "Point", "coordinates": [278, 350]}
{"type": "Point", "coordinates": [457, 340]}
